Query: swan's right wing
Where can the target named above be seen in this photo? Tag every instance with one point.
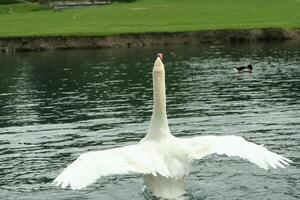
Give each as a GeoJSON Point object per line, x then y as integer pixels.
{"type": "Point", "coordinates": [88, 167]}
{"type": "Point", "coordinates": [235, 146]}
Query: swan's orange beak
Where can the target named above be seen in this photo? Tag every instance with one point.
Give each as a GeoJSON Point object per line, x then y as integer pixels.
{"type": "Point", "coordinates": [160, 55]}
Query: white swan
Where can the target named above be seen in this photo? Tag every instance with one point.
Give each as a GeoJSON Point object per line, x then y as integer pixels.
{"type": "Point", "coordinates": [163, 159]}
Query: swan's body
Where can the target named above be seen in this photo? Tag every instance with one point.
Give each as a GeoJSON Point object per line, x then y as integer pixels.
{"type": "Point", "coordinates": [162, 158]}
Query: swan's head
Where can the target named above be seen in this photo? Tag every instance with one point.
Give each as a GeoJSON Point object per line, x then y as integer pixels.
{"type": "Point", "coordinates": [160, 55]}
{"type": "Point", "coordinates": [158, 65]}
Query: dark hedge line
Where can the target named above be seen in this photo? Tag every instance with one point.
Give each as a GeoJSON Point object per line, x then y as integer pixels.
{"type": "Point", "coordinates": [8, 1]}
{"type": "Point", "coordinates": [47, 1]}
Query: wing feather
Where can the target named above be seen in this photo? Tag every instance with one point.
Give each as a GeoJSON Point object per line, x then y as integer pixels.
{"type": "Point", "coordinates": [88, 167]}
{"type": "Point", "coordinates": [235, 146]}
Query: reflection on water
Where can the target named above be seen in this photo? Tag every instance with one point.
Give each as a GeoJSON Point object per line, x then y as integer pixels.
{"type": "Point", "coordinates": [56, 105]}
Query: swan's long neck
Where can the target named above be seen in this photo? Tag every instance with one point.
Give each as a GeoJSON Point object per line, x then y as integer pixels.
{"type": "Point", "coordinates": [159, 122]}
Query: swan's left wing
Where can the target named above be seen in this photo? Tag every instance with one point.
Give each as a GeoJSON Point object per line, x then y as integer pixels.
{"type": "Point", "coordinates": [235, 146]}
{"type": "Point", "coordinates": [88, 167]}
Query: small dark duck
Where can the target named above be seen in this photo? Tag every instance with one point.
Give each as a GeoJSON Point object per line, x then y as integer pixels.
{"type": "Point", "coordinates": [247, 68]}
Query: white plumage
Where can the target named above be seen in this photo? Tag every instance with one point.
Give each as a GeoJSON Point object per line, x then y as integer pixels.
{"type": "Point", "coordinates": [163, 159]}
{"type": "Point", "coordinates": [236, 146]}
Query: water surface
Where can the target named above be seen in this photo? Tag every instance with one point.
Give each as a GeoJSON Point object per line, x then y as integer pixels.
{"type": "Point", "coordinates": [56, 105]}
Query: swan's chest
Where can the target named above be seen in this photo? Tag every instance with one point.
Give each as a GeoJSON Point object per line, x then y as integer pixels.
{"type": "Point", "coordinates": [175, 158]}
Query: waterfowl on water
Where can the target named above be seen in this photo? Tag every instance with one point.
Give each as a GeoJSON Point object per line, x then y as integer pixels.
{"type": "Point", "coordinates": [161, 158]}
{"type": "Point", "coordinates": [247, 68]}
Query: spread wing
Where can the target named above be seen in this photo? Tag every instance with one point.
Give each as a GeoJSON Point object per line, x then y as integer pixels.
{"type": "Point", "coordinates": [87, 168]}
{"type": "Point", "coordinates": [235, 146]}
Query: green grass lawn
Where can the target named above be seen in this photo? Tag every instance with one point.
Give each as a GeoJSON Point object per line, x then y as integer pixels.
{"type": "Point", "coordinates": [150, 16]}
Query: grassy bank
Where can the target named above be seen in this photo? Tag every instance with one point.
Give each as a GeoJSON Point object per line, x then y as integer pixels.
{"type": "Point", "coordinates": [151, 16]}
{"type": "Point", "coordinates": [18, 8]}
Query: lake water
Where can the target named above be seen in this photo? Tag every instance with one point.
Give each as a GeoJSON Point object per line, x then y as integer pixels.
{"type": "Point", "coordinates": [56, 105]}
